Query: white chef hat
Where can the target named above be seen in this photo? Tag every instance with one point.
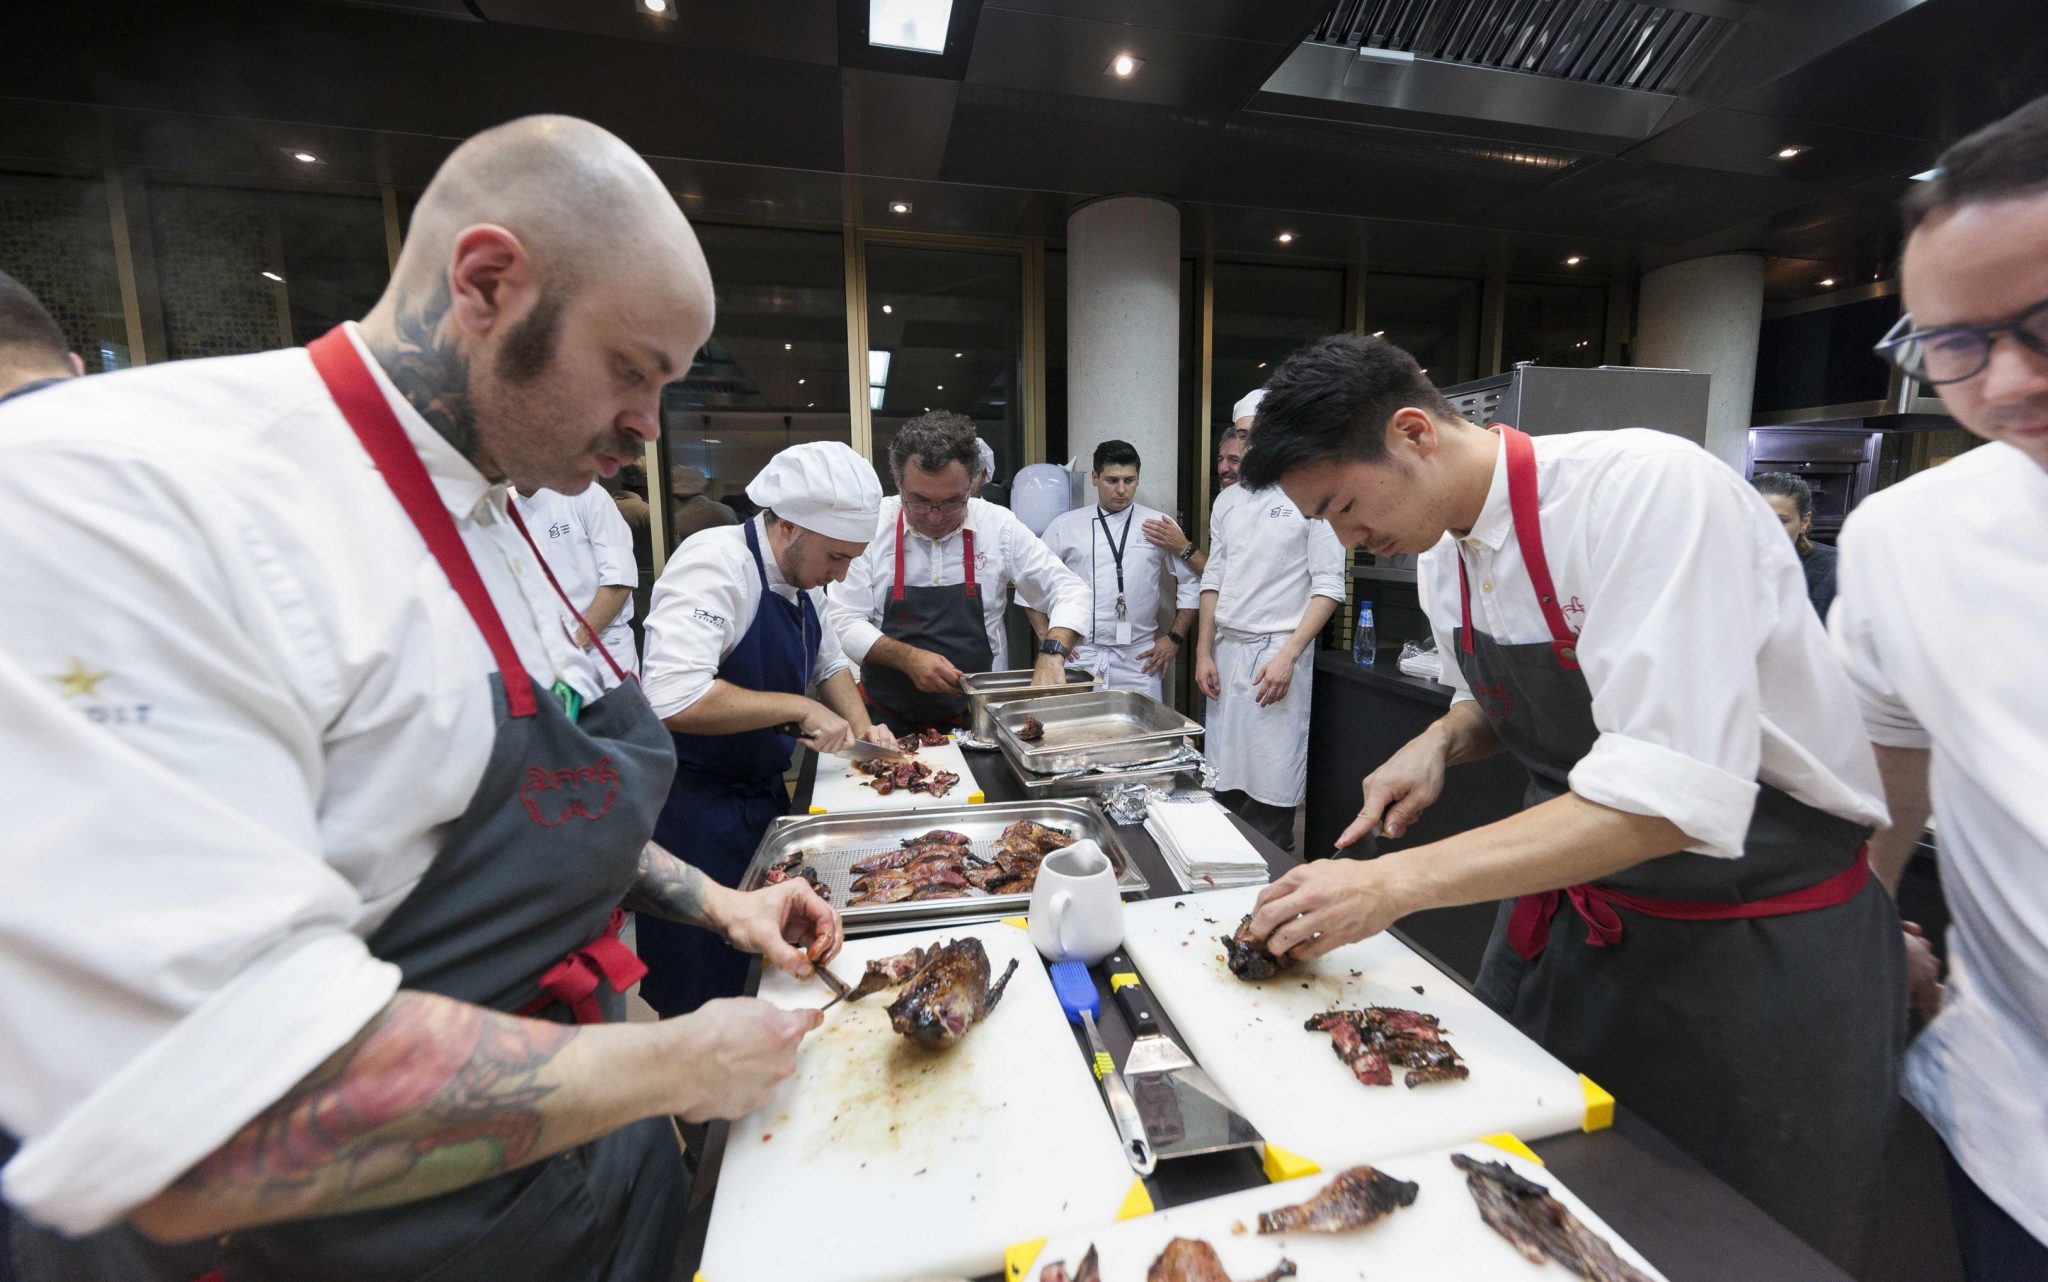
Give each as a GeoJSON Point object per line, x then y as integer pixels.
{"type": "Point", "coordinates": [822, 486]}
{"type": "Point", "coordinates": [1247, 406]}
{"type": "Point", "coordinates": [988, 459]}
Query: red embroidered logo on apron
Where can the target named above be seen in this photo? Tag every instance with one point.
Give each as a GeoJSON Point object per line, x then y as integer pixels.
{"type": "Point", "coordinates": [554, 797]}
{"type": "Point", "coordinates": [1496, 701]}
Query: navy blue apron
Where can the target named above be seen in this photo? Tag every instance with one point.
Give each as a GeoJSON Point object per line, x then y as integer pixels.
{"type": "Point", "coordinates": [728, 789]}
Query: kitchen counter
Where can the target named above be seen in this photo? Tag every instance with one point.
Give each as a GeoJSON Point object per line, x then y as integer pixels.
{"type": "Point", "coordinates": [1688, 1223]}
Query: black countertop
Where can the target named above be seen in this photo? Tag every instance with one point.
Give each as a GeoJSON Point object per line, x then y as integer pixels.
{"type": "Point", "coordinates": [1384, 674]}
{"type": "Point", "coordinates": [1689, 1224]}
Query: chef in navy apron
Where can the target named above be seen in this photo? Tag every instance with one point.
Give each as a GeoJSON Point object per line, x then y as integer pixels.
{"type": "Point", "coordinates": [1687, 913]}
{"type": "Point", "coordinates": [925, 605]}
{"type": "Point", "coordinates": [735, 643]}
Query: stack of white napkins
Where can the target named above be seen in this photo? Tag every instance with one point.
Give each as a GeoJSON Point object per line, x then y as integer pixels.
{"type": "Point", "coordinates": [1201, 845]}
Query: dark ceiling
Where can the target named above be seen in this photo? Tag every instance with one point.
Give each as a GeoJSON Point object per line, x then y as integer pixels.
{"type": "Point", "coordinates": [1466, 135]}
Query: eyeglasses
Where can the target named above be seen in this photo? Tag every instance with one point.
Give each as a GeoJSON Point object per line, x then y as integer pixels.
{"type": "Point", "coordinates": [1952, 353]}
{"type": "Point", "coordinates": [944, 508]}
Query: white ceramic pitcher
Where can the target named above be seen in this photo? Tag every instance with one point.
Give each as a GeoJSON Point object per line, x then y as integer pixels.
{"type": "Point", "coordinates": [1076, 912]}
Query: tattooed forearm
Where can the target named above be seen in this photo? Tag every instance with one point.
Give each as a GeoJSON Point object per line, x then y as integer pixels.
{"type": "Point", "coordinates": [435, 1094]}
{"type": "Point", "coordinates": [422, 361]}
{"type": "Point", "coordinates": [668, 887]}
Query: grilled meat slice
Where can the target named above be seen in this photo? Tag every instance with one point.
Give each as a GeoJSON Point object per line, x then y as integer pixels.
{"type": "Point", "coordinates": [887, 972]}
{"type": "Point", "coordinates": [1354, 1199]}
{"type": "Point", "coordinates": [882, 888]}
{"type": "Point", "coordinates": [1436, 1073]}
{"type": "Point", "coordinates": [1248, 957]}
{"type": "Point", "coordinates": [949, 994]}
{"type": "Point", "coordinates": [1374, 1040]}
{"type": "Point", "coordinates": [1369, 1066]}
{"type": "Point", "coordinates": [929, 737]}
{"type": "Point", "coordinates": [982, 876]}
{"type": "Point", "coordinates": [1188, 1259]}
{"type": "Point", "coordinates": [936, 891]}
{"type": "Point", "coordinates": [1032, 730]}
{"type": "Point", "coordinates": [1018, 883]}
{"type": "Point", "coordinates": [794, 867]}
{"type": "Point", "coordinates": [1045, 840]}
{"type": "Point", "coordinates": [939, 837]}
{"type": "Point", "coordinates": [940, 782]}
{"type": "Point", "coordinates": [936, 876]}
{"type": "Point", "coordinates": [886, 860]}
{"type": "Point", "coordinates": [1537, 1224]}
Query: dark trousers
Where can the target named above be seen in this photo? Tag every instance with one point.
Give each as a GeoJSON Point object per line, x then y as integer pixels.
{"type": "Point", "coordinates": [1994, 1246]}
{"type": "Point", "coordinates": [1274, 823]}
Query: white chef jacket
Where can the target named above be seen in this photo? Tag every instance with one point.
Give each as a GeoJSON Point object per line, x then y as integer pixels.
{"type": "Point", "coordinates": [704, 603]}
{"type": "Point", "coordinates": [1006, 554]}
{"type": "Point", "coordinates": [1266, 560]}
{"type": "Point", "coordinates": [1942, 620]}
{"type": "Point", "coordinates": [1078, 539]}
{"type": "Point", "coordinates": [1708, 669]}
{"type": "Point", "coordinates": [238, 716]}
{"type": "Point", "coordinates": [588, 545]}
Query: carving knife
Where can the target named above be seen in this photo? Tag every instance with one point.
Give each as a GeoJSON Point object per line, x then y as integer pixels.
{"type": "Point", "coordinates": [859, 749]}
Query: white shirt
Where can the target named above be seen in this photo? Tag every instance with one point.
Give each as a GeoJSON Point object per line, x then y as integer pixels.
{"type": "Point", "coordinates": [703, 604]}
{"type": "Point", "coordinates": [1078, 539]}
{"type": "Point", "coordinates": [238, 716]}
{"type": "Point", "coordinates": [1708, 668]}
{"type": "Point", "coordinates": [587, 543]}
{"type": "Point", "coordinates": [1006, 554]}
{"type": "Point", "coordinates": [1942, 621]}
{"type": "Point", "coordinates": [1266, 560]}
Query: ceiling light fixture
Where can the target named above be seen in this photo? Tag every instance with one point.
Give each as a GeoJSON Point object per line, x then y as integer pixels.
{"type": "Point", "coordinates": [958, 355]}
{"type": "Point", "coordinates": [799, 382]}
{"type": "Point", "coordinates": [1262, 364]}
{"type": "Point", "coordinates": [1827, 281]}
{"type": "Point", "coordinates": [1573, 261]}
{"type": "Point", "coordinates": [305, 157]}
{"type": "Point", "coordinates": [657, 8]}
{"type": "Point", "coordinates": [810, 405]}
{"type": "Point", "coordinates": [886, 309]}
{"type": "Point", "coordinates": [899, 206]}
{"type": "Point", "coordinates": [1124, 66]}
{"type": "Point", "coordinates": [1285, 238]}
{"type": "Point", "coordinates": [942, 387]}
{"type": "Point", "coordinates": [1927, 175]}
{"type": "Point", "coordinates": [1786, 153]}
{"type": "Point", "coordinates": [788, 346]}
{"type": "Point", "coordinates": [916, 25]}
{"type": "Point", "coordinates": [1379, 333]}
{"type": "Point", "coordinates": [273, 276]}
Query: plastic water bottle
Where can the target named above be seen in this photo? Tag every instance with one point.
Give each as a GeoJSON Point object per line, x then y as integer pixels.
{"type": "Point", "coordinates": [1364, 648]}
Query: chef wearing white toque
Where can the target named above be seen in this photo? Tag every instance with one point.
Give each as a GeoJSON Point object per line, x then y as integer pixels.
{"type": "Point", "coordinates": [734, 643]}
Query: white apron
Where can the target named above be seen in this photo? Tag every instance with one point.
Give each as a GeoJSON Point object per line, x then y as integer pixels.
{"type": "Point", "coordinates": [1261, 751]}
{"type": "Point", "coordinates": [1118, 667]}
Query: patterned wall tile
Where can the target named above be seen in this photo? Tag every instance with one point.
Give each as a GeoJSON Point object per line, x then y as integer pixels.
{"type": "Point", "coordinates": [57, 238]}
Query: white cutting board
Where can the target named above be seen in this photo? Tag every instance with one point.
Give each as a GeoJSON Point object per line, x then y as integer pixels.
{"type": "Point", "coordinates": [1439, 1238]}
{"type": "Point", "coordinates": [839, 788]}
{"type": "Point", "coordinates": [882, 1160]}
{"type": "Point", "coordinates": [1289, 1082]}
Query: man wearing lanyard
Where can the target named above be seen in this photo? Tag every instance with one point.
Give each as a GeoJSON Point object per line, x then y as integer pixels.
{"type": "Point", "coordinates": [1272, 580]}
{"type": "Point", "coordinates": [734, 642]}
{"type": "Point", "coordinates": [297, 737]}
{"type": "Point", "coordinates": [1689, 916]}
{"type": "Point", "coordinates": [586, 542]}
{"type": "Point", "coordinates": [1942, 621]}
{"type": "Point", "coordinates": [32, 351]}
{"type": "Point", "coordinates": [924, 605]}
{"type": "Point", "coordinates": [1125, 647]}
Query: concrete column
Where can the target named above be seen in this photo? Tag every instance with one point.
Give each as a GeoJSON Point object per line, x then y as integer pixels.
{"type": "Point", "coordinates": [1123, 336]}
{"type": "Point", "coordinates": [1704, 315]}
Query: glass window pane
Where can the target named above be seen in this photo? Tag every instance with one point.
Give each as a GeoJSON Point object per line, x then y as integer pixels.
{"type": "Point", "coordinates": [57, 239]}
{"type": "Point", "coordinates": [945, 332]}
{"type": "Point", "coordinates": [1436, 318]}
{"type": "Point", "coordinates": [1554, 324]}
{"type": "Point", "coordinates": [1262, 314]}
{"type": "Point", "coordinates": [1056, 450]}
{"type": "Point", "coordinates": [774, 371]}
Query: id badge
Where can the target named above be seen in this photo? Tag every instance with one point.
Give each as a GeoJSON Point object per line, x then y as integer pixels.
{"type": "Point", "coordinates": [1123, 632]}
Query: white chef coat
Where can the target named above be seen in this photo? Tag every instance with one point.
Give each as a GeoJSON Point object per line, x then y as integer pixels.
{"type": "Point", "coordinates": [704, 603]}
{"type": "Point", "coordinates": [1079, 540]}
{"type": "Point", "coordinates": [1941, 617]}
{"type": "Point", "coordinates": [1708, 669]}
{"type": "Point", "coordinates": [588, 545]}
{"type": "Point", "coordinates": [239, 714]}
{"type": "Point", "coordinates": [1006, 554]}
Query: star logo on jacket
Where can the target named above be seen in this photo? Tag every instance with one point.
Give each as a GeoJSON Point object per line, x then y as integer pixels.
{"type": "Point", "coordinates": [79, 680]}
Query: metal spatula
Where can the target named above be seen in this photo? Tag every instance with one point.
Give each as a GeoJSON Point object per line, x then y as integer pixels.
{"type": "Point", "coordinates": [1185, 1113]}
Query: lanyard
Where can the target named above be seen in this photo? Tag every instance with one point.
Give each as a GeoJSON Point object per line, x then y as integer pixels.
{"type": "Point", "coordinates": [1116, 550]}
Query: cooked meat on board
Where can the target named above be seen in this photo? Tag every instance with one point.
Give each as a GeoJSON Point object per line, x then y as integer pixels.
{"type": "Point", "coordinates": [1354, 1199]}
{"type": "Point", "coordinates": [941, 864]}
{"type": "Point", "coordinates": [1090, 1270]}
{"type": "Point", "coordinates": [1031, 730]}
{"type": "Point", "coordinates": [1538, 1225]}
{"type": "Point", "coordinates": [1188, 1259]}
{"type": "Point", "coordinates": [886, 777]}
{"type": "Point", "coordinates": [887, 972]}
{"type": "Point", "coordinates": [794, 866]}
{"type": "Point", "coordinates": [949, 994]}
{"type": "Point", "coordinates": [1374, 1041]}
{"type": "Point", "coordinates": [1248, 957]}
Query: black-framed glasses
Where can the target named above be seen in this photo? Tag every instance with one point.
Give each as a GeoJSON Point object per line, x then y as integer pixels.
{"type": "Point", "coordinates": [1952, 353]}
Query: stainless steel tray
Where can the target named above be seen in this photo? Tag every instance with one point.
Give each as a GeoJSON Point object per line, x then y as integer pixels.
{"type": "Point", "coordinates": [1100, 728]}
{"type": "Point", "coordinates": [836, 842]}
{"type": "Point", "coordinates": [988, 691]}
{"type": "Point", "coordinates": [1161, 775]}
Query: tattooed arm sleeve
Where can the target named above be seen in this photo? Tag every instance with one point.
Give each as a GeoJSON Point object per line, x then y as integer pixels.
{"type": "Point", "coordinates": [432, 1095]}
{"type": "Point", "coordinates": [669, 888]}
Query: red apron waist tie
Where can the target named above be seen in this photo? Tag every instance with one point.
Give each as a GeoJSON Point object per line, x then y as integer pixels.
{"type": "Point", "coordinates": [573, 980]}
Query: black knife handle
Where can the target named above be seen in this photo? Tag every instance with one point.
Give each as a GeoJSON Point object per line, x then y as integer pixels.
{"type": "Point", "coordinates": [790, 728]}
{"type": "Point", "coordinates": [1132, 997]}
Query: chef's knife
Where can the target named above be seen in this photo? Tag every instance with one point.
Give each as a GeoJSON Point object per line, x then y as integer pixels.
{"type": "Point", "coordinates": [859, 749]}
{"type": "Point", "coordinates": [1076, 991]}
{"type": "Point", "coordinates": [1184, 1112]}
{"type": "Point", "coordinates": [833, 982]}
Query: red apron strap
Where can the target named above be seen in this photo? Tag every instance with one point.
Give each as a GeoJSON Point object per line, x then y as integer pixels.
{"type": "Point", "coordinates": [896, 591]}
{"type": "Point", "coordinates": [573, 980]}
{"type": "Point", "coordinates": [967, 562]}
{"type": "Point", "coordinates": [1523, 506]}
{"type": "Point", "coordinates": [512, 510]}
{"type": "Point", "coordinates": [1529, 923]}
{"type": "Point", "coordinates": [362, 403]}
{"type": "Point", "coordinates": [1465, 606]}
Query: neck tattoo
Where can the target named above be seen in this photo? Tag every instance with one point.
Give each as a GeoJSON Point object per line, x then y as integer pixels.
{"type": "Point", "coordinates": [432, 375]}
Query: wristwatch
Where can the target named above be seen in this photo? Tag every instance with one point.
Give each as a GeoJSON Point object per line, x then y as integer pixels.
{"type": "Point", "coordinates": [1187, 553]}
{"type": "Point", "coordinates": [1050, 646]}
{"type": "Point", "coordinates": [1177, 639]}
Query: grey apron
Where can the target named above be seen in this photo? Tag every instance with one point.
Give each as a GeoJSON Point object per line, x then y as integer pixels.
{"type": "Point", "coordinates": [945, 620]}
{"type": "Point", "coordinates": [517, 912]}
{"type": "Point", "coordinates": [1751, 1009]}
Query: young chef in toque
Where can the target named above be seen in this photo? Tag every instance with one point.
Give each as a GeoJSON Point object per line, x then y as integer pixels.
{"type": "Point", "coordinates": [302, 735]}
{"type": "Point", "coordinates": [1690, 917]}
{"type": "Point", "coordinates": [735, 640]}
{"type": "Point", "coordinates": [1942, 621]}
{"type": "Point", "coordinates": [923, 606]}
{"type": "Point", "coordinates": [1125, 646]}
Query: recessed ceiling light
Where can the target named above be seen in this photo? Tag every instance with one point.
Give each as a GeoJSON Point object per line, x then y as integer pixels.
{"type": "Point", "coordinates": [917, 25]}
{"type": "Point", "coordinates": [1125, 65]}
{"type": "Point", "coordinates": [1379, 333]}
{"type": "Point", "coordinates": [1827, 281]}
{"type": "Point", "coordinates": [788, 347]}
{"type": "Point", "coordinates": [273, 276]}
{"type": "Point", "coordinates": [886, 309]}
{"type": "Point", "coordinates": [1583, 343]}
{"type": "Point", "coordinates": [958, 355]}
{"type": "Point", "coordinates": [1573, 261]}
{"type": "Point", "coordinates": [810, 405]}
{"type": "Point", "coordinates": [799, 382]}
{"type": "Point", "coordinates": [1285, 238]}
{"type": "Point", "coordinates": [899, 206]}
{"type": "Point", "coordinates": [942, 387]}
{"type": "Point", "coordinates": [1262, 364]}
{"type": "Point", "coordinates": [658, 8]}
{"type": "Point", "coordinates": [1786, 153]}
{"type": "Point", "coordinates": [305, 157]}
{"type": "Point", "coordinates": [1425, 369]}
{"type": "Point", "coordinates": [1927, 175]}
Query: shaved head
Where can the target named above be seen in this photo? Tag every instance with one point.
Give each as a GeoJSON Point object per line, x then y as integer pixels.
{"type": "Point", "coordinates": [547, 288]}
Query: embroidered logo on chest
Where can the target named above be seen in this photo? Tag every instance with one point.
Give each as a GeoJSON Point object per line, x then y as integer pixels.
{"type": "Point", "coordinates": [554, 797]}
{"type": "Point", "coordinates": [1277, 513]}
{"type": "Point", "coordinates": [1496, 701]}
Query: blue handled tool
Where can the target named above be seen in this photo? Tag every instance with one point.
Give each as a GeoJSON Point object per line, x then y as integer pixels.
{"type": "Point", "coordinates": [1072, 984]}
